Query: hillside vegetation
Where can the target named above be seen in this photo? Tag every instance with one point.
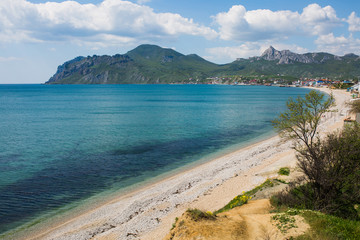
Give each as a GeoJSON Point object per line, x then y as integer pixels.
{"type": "Point", "coordinates": [150, 64]}
{"type": "Point", "coordinates": [321, 203]}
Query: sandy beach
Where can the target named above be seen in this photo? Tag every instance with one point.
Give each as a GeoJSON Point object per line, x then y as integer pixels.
{"type": "Point", "coordinates": [149, 212]}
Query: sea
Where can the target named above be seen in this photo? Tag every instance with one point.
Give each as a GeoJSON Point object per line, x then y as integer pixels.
{"type": "Point", "coordinates": [63, 144]}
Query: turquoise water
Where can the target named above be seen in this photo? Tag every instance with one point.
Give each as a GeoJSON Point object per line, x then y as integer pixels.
{"type": "Point", "coordinates": [63, 143]}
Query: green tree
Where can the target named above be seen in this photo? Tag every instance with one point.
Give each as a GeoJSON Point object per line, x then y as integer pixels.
{"type": "Point", "coordinates": [330, 164]}
{"type": "Point", "coordinates": [333, 175]}
{"type": "Point", "coordinates": [300, 123]}
{"type": "Point", "coordinates": [301, 120]}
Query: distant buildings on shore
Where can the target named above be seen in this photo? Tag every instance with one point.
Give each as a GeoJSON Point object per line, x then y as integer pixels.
{"type": "Point", "coordinates": [277, 80]}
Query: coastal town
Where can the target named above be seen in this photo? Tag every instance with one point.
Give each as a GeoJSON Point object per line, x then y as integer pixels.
{"type": "Point", "coordinates": [281, 81]}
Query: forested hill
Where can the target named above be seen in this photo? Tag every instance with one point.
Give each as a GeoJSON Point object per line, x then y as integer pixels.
{"type": "Point", "coordinates": [149, 64]}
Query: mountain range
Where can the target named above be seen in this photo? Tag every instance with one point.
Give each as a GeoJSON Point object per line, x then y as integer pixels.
{"type": "Point", "coordinates": [151, 64]}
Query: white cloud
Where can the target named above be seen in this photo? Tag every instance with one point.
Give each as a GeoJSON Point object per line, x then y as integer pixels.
{"type": "Point", "coordinates": [354, 22]}
{"type": "Point", "coordinates": [143, 1]}
{"type": "Point", "coordinates": [338, 45]}
{"type": "Point", "coordinates": [122, 20]}
{"type": "Point", "coordinates": [11, 36]}
{"type": "Point", "coordinates": [8, 59]}
{"type": "Point", "coordinates": [242, 51]}
{"type": "Point", "coordinates": [249, 49]}
{"type": "Point", "coordinates": [242, 25]}
{"type": "Point", "coordinates": [99, 41]}
{"type": "Point", "coordinates": [318, 20]}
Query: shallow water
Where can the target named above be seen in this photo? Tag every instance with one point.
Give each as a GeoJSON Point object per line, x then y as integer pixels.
{"type": "Point", "coordinates": [63, 143]}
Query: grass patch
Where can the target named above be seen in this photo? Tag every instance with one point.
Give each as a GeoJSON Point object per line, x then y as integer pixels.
{"type": "Point", "coordinates": [284, 221]}
{"type": "Point", "coordinates": [174, 224]}
{"type": "Point", "coordinates": [198, 215]}
{"type": "Point", "coordinates": [323, 226]}
{"type": "Point", "coordinates": [281, 181]}
{"type": "Point", "coordinates": [236, 202]}
{"type": "Point", "coordinates": [329, 227]}
{"type": "Point", "coordinates": [246, 196]}
{"type": "Point", "coordinates": [284, 171]}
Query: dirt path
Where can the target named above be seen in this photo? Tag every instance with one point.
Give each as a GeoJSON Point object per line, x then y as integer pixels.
{"type": "Point", "coordinates": [251, 221]}
{"type": "Point", "coordinates": [257, 218]}
{"type": "Point", "coordinates": [254, 220]}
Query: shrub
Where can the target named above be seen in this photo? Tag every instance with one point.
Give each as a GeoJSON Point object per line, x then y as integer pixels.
{"type": "Point", "coordinates": [284, 171]}
{"type": "Point", "coordinates": [333, 177]}
{"type": "Point", "coordinates": [331, 165]}
{"type": "Point", "coordinates": [198, 215]}
{"type": "Point", "coordinates": [333, 172]}
{"type": "Point", "coordinates": [296, 196]}
{"type": "Point", "coordinates": [330, 227]}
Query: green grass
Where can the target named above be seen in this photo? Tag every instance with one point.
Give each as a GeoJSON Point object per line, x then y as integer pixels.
{"type": "Point", "coordinates": [239, 200]}
{"type": "Point", "coordinates": [284, 171]}
{"type": "Point", "coordinates": [174, 224]}
{"type": "Point", "coordinates": [284, 221]}
{"type": "Point", "coordinates": [246, 196]}
{"type": "Point", "coordinates": [327, 227]}
{"type": "Point", "coordinates": [198, 215]}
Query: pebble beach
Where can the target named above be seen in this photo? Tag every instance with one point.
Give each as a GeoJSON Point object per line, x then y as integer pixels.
{"type": "Point", "coordinates": [148, 212]}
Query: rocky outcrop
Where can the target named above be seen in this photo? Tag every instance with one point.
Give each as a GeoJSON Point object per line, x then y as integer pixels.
{"type": "Point", "coordinates": [144, 64]}
{"type": "Point", "coordinates": [288, 57]}
{"type": "Point", "coordinates": [150, 64]}
{"type": "Point", "coordinates": [84, 68]}
{"type": "Point", "coordinates": [284, 56]}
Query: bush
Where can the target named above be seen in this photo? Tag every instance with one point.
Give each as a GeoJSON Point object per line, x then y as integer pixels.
{"type": "Point", "coordinates": [332, 170]}
{"type": "Point", "coordinates": [198, 215]}
{"type": "Point", "coordinates": [296, 196]}
{"type": "Point", "coordinates": [284, 171]}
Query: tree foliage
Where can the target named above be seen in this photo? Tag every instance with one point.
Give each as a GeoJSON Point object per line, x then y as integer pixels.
{"type": "Point", "coordinates": [331, 165]}
{"type": "Point", "coordinates": [333, 171]}
{"type": "Point", "coordinates": [301, 120]}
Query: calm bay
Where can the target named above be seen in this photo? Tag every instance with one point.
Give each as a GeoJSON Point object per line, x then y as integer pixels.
{"type": "Point", "coordinates": [62, 144]}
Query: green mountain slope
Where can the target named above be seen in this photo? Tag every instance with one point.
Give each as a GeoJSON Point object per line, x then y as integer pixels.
{"type": "Point", "coordinates": [148, 64]}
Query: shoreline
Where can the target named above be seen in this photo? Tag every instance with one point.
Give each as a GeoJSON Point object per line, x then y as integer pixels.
{"type": "Point", "coordinates": [76, 212]}
{"type": "Point", "coordinates": [149, 211]}
{"type": "Point", "coordinates": [69, 213]}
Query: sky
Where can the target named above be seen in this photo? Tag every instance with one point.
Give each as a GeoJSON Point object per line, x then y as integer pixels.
{"type": "Point", "coordinates": [38, 36]}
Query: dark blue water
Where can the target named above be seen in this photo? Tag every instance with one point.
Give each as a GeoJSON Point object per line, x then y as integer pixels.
{"type": "Point", "coordinates": [64, 143]}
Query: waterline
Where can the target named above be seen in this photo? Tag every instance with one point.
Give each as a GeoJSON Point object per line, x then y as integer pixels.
{"type": "Point", "coordinates": [64, 144]}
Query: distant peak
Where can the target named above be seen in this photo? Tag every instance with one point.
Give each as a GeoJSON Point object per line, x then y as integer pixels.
{"type": "Point", "coordinates": [271, 49]}
{"type": "Point", "coordinates": [150, 48]}
{"type": "Point", "coordinates": [270, 52]}
{"type": "Point", "coordinates": [147, 46]}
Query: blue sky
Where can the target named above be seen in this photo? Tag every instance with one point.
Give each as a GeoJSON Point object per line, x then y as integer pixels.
{"type": "Point", "coordinates": [37, 36]}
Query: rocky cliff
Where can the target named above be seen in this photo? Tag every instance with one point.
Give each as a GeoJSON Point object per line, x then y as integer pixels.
{"type": "Point", "coordinates": [148, 64]}
{"type": "Point", "coordinates": [288, 57]}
